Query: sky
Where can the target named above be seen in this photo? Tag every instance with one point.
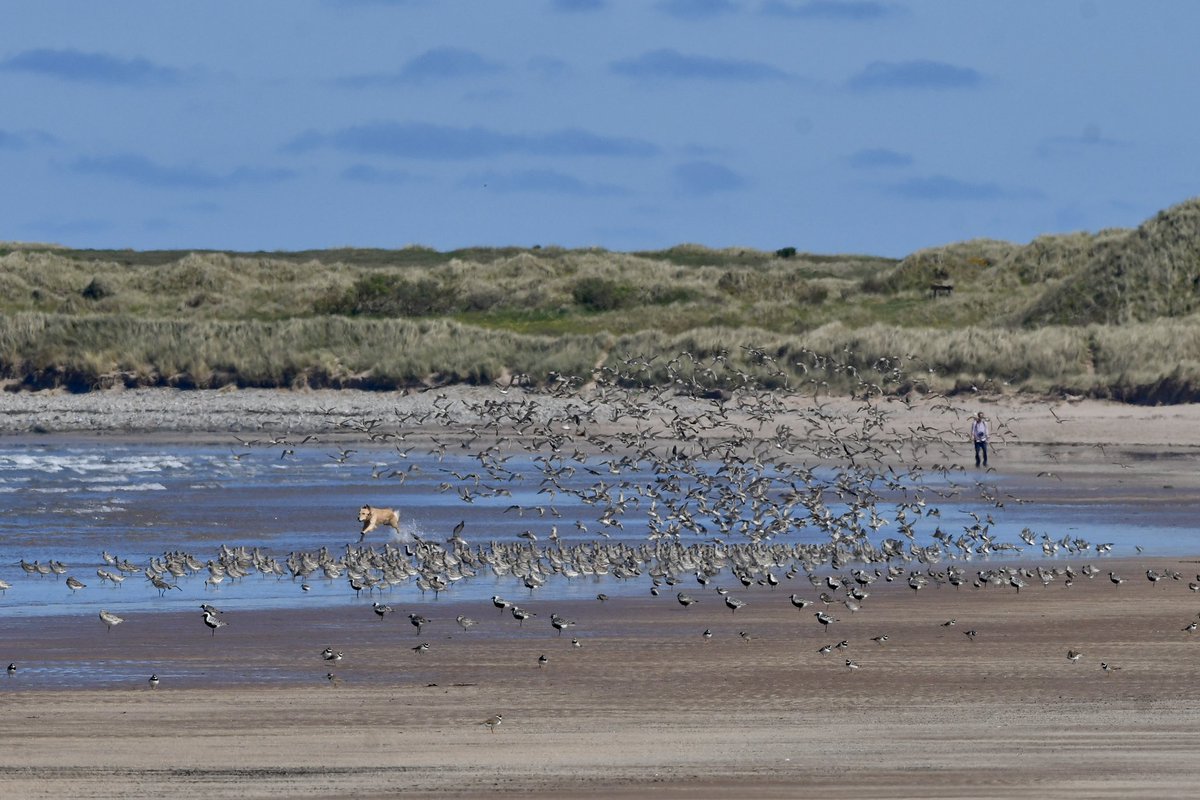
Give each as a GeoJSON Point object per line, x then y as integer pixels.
{"type": "Point", "coordinates": [833, 126]}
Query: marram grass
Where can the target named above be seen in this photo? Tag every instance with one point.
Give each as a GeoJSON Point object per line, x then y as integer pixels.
{"type": "Point", "coordinates": [1111, 314]}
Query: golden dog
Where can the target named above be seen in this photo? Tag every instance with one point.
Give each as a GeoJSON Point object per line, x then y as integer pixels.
{"type": "Point", "coordinates": [372, 518]}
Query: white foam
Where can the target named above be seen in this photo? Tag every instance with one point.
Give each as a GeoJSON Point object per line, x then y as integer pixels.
{"type": "Point", "coordinates": [91, 463]}
{"type": "Point", "coordinates": [129, 487]}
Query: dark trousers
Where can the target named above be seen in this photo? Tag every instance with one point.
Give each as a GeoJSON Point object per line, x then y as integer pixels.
{"type": "Point", "coordinates": [981, 448]}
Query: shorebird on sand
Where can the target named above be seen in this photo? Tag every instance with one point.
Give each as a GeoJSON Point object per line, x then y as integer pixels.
{"type": "Point", "coordinates": [211, 620]}
{"type": "Point", "coordinates": [110, 619]}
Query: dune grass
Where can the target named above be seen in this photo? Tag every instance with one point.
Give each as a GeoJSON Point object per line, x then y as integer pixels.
{"type": "Point", "coordinates": [1107, 314]}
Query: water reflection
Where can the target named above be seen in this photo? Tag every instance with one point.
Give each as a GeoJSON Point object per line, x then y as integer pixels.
{"type": "Point", "coordinates": [71, 502]}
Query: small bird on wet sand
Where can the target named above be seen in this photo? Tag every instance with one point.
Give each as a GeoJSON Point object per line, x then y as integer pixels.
{"type": "Point", "coordinates": [380, 609]}
{"type": "Point", "coordinates": [154, 681]}
{"type": "Point", "coordinates": [464, 622]}
{"type": "Point", "coordinates": [421, 648]}
{"type": "Point", "coordinates": [824, 618]}
{"type": "Point", "coordinates": [520, 615]}
{"type": "Point", "coordinates": [1108, 668]}
{"type": "Point", "coordinates": [74, 583]}
{"type": "Point", "coordinates": [1074, 656]}
{"type": "Point", "coordinates": [949, 623]}
{"type": "Point", "coordinates": [417, 620]}
{"type": "Point", "coordinates": [575, 642]}
{"type": "Point", "coordinates": [970, 634]}
{"type": "Point", "coordinates": [500, 602]}
{"type": "Point", "coordinates": [1191, 628]}
{"type": "Point", "coordinates": [110, 619]}
{"type": "Point", "coordinates": [12, 669]}
{"type": "Point", "coordinates": [492, 722]}
{"type": "Point", "coordinates": [334, 680]}
{"type": "Point", "coordinates": [329, 654]}
{"type": "Point", "coordinates": [213, 622]}
{"type": "Point", "coordinates": [799, 602]}
{"type": "Point", "coordinates": [685, 600]}
{"type": "Point", "coordinates": [733, 603]}
{"type": "Point", "coordinates": [825, 650]}
{"type": "Point", "coordinates": [707, 634]}
{"type": "Point", "coordinates": [879, 639]}
{"type": "Point", "coordinates": [543, 661]}
{"type": "Point", "coordinates": [851, 664]}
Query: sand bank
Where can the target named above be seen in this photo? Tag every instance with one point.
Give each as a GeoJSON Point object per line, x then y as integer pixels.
{"type": "Point", "coordinates": [645, 705]}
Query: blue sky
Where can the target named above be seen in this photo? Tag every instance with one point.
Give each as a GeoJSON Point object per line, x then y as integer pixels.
{"type": "Point", "coordinates": [833, 126]}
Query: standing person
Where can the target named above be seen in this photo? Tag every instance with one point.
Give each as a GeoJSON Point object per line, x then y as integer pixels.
{"type": "Point", "coordinates": [979, 434]}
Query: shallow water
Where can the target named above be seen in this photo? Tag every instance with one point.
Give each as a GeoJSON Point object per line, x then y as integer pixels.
{"type": "Point", "coordinates": [71, 500]}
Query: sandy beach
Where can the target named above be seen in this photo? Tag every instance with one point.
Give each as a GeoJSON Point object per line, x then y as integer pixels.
{"type": "Point", "coordinates": [218, 414]}
{"type": "Point", "coordinates": [645, 705]}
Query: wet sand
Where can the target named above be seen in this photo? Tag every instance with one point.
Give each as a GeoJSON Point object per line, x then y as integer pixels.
{"type": "Point", "coordinates": [647, 706]}
{"type": "Point", "coordinates": [644, 706]}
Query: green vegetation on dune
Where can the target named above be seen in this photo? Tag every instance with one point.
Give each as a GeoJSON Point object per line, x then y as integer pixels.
{"type": "Point", "coordinates": [1109, 314]}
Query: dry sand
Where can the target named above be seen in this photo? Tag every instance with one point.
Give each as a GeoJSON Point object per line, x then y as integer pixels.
{"type": "Point", "coordinates": [646, 706]}
{"type": "Point", "coordinates": [218, 414]}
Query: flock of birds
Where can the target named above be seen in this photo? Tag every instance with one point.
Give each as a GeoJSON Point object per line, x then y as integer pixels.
{"type": "Point", "coordinates": [682, 482]}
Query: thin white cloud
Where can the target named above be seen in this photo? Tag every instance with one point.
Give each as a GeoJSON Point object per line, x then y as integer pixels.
{"type": "Point", "coordinates": [141, 170]}
{"type": "Point", "coordinates": [672, 64]}
{"type": "Point", "coordinates": [543, 181]}
{"type": "Point", "coordinates": [877, 157]}
{"type": "Point", "coordinates": [422, 140]}
{"type": "Point", "coordinates": [698, 9]}
{"type": "Point", "coordinates": [438, 64]}
{"type": "Point", "coordinates": [832, 10]}
{"type": "Point", "coordinates": [918, 74]}
{"type": "Point", "coordinates": [76, 66]}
